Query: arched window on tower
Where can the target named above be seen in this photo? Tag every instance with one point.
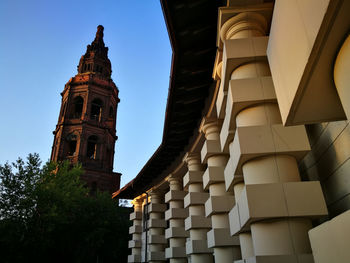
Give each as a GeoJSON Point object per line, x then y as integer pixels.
{"type": "Point", "coordinates": [91, 151]}
{"type": "Point", "coordinates": [111, 112]}
{"type": "Point", "coordinates": [72, 139]}
{"type": "Point", "coordinates": [77, 108]}
{"type": "Point", "coordinates": [97, 68]}
{"type": "Point", "coordinates": [96, 110]}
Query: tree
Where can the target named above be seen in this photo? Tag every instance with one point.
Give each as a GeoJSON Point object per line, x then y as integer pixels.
{"type": "Point", "coordinates": [47, 215]}
{"type": "Point", "coordinates": [17, 189]}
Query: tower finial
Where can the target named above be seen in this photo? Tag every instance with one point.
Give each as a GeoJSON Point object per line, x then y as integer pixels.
{"type": "Point", "coordinates": [99, 33]}
{"type": "Point", "coordinates": [96, 57]}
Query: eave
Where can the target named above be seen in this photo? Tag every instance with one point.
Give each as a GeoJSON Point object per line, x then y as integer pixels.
{"type": "Point", "coordinates": [192, 31]}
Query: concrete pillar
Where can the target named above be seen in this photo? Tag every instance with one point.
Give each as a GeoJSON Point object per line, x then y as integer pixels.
{"type": "Point", "coordinates": [243, 25]}
{"type": "Point", "coordinates": [245, 238]}
{"type": "Point", "coordinates": [156, 225]}
{"type": "Point", "coordinates": [262, 169]}
{"type": "Point", "coordinates": [196, 223]}
{"type": "Point", "coordinates": [281, 237]}
{"type": "Point", "coordinates": [175, 215]}
{"type": "Point", "coordinates": [135, 230]}
{"type": "Point", "coordinates": [246, 242]}
{"type": "Point", "coordinates": [226, 248]}
{"type": "Point", "coordinates": [264, 217]}
{"type": "Point", "coordinates": [342, 76]}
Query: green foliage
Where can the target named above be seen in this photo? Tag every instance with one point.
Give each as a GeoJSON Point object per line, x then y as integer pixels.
{"type": "Point", "coordinates": [17, 189]}
{"type": "Point", "coordinates": [47, 215]}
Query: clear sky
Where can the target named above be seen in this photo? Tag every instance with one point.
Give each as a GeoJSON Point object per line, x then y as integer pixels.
{"type": "Point", "coordinates": [41, 42]}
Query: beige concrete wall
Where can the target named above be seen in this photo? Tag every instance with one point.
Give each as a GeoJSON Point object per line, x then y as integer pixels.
{"type": "Point", "coordinates": [304, 40]}
{"type": "Point", "coordinates": [330, 241]}
{"type": "Point", "coordinates": [329, 162]}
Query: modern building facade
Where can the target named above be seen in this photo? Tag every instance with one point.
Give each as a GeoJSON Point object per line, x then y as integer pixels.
{"type": "Point", "coordinates": [254, 164]}
{"type": "Point", "coordinates": [85, 131]}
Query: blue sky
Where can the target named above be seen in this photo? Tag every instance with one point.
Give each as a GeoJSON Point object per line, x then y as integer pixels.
{"type": "Point", "coordinates": [41, 43]}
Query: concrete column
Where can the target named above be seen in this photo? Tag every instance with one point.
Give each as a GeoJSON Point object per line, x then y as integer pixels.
{"type": "Point", "coordinates": [246, 242]}
{"type": "Point", "coordinates": [243, 25]}
{"type": "Point", "coordinates": [265, 153]}
{"type": "Point", "coordinates": [342, 76]}
{"type": "Point", "coordinates": [281, 237]}
{"type": "Point", "coordinates": [145, 217]}
{"type": "Point", "coordinates": [245, 238]}
{"type": "Point", "coordinates": [175, 215]}
{"type": "Point", "coordinates": [226, 248]}
{"type": "Point", "coordinates": [156, 225]}
{"type": "Point", "coordinates": [197, 224]}
{"type": "Point", "coordinates": [135, 230]}
{"type": "Point", "coordinates": [262, 170]}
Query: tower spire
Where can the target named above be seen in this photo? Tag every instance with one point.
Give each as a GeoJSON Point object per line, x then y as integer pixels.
{"type": "Point", "coordinates": [96, 59]}
{"type": "Point", "coordinates": [99, 35]}
{"type": "Point", "coordinates": [98, 43]}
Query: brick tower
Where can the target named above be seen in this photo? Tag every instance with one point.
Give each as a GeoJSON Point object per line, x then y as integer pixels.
{"type": "Point", "coordinates": [85, 131]}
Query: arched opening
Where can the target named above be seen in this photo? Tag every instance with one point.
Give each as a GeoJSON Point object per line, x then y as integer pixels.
{"type": "Point", "coordinates": [96, 110]}
{"type": "Point", "coordinates": [98, 68]}
{"type": "Point", "coordinates": [111, 112]}
{"type": "Point", "coordinates": [72, 139]}
{"type": "Point", "coordinates": [91, 151]}
{"type": "Point", "coordinates": [78, 104]}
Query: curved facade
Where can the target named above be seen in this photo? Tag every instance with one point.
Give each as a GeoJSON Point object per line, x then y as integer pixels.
{"type": "Point", "coordinates": [257, 174]}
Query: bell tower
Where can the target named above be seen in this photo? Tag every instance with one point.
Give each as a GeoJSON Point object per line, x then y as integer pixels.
{"type": "Point", "coordinates": [85, 131]}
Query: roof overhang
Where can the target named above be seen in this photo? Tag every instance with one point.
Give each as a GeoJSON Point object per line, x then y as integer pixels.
{"type": "Point", "coordinates": [192, 29]}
